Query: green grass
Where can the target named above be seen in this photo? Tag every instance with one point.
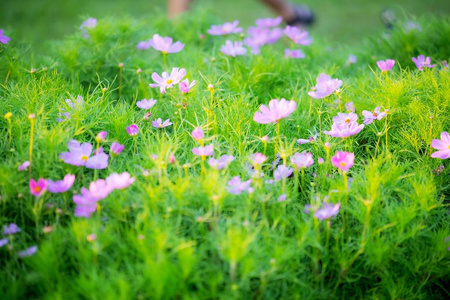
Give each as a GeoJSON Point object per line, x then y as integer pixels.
{"type": "Point", "coordinates": [176, 232]}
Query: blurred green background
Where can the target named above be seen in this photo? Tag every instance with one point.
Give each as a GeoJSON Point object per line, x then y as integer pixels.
{"type": "Point", "coordinates": [345, 21]}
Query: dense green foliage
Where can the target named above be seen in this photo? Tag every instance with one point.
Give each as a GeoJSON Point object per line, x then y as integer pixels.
{"type": "Point", "coordinates": [177, 232]}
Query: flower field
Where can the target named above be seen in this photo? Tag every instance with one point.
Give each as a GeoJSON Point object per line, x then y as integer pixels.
{"type": "Point", "coordinates": [199, 159]}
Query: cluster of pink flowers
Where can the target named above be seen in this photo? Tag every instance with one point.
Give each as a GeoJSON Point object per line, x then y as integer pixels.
{"type": "Point", "coordinates": [263, 34]}
{"type": "Point", "coordinates": [166, 80]}
{"type": "Point", "coordinates": [227, 28]}
{"type": "Point", "coordinates": [325, 86]}
{"type": "Point", "coordinates": [422, 62]}
{"type": "Point", "coordinates": [233, 49]}
{"type": "Point", "coordinates": [345, 125]}
{"type": "Point", "coordinates": [236, 186]}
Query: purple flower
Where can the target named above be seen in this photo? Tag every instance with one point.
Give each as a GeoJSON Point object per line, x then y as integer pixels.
{"type": "Point", "coordinates": [294, 53]}
{"type": "Point", "coordinates": [144, 44]}
{"type": "Point", "coordinates": [79, 155]}
{"type": "Point", "coordinates": [185, 87]}
{"type": "Point", "coordinates": [351, 59]}
{"type": "Point", "coordinates": [133, 130]}
{"type": "Point", "coordinates": [77, 104]}
{"type": "Point", "coordinates": [119, 181]}
{"type": "Point", "coordinates": [89, 23]}
{"type": "Point", "coordinates": [385, 65]}
{"type": "Point", "coordinates": [302, 160]}
{"type": "Point", "coordinates": [277, 110]}
{"type": "Point", "coordinates": [236, 186]}
{"type": "Point", "coordinates": [27, 252]}
{"type": "Point", "coordinates": [310, 139]}
{"type": "Point", "coordinates": [101, 136]}
{"type": "Point", "coordinates": [3, 38]}
{"type": "Point", "coordinates": [269, 22]}
{"type": "Point", "coordinates": [164, 44]}
{"type": "Point", "coordinates": [443, 145]}
{"type": "Point", "coordinates": [3, 242]}
{"type": "Point", "coordinates": [38, 188]}
{"type": "Point", "coordinates": [282, 172]}
{"type": "Point", "coordinates": [327, 211]}
{"type": "Point", "coordinates": [422, 62]}
{"type": "Point", "coordinates": [11, 229]}
{"type": "Point", "coordinates": [369, 117]}
{"type": "Point", "coordinates": [116, 148]}
{"type": "Point", "coordinates": [345, 119]}
{"type": "Point", "coordinates": [344, 130]}
{"type": "Point", "coordinates": [343, 160]}
{"type": "Point", "coordinates": [350, 107]}
{"type": "Point", "coordinates": [146, 104]}
{"type": "Point", "coordinates": [204, 151]}
{"type": "Point", "coordinates": [233, 49]}
{"type": "Point", "coordinates": [298, 36]}
{"type": "Point", "coordinates": [60, 186]}
{"type": "Point", "coordinates": [227, 28]}
{"type": "Point", "coordinates": [24, 165]}
{"type": "Point", "coordinates": [166, 81]}
{"type": "Point", "coordinates": [160, 124]}
{"type": "Point", "coordinates": [87, 201]}
{"type": "Point", "coordinates": [325, 86]}
{"type": "Point", "coordinates": [282, 198]}
{"type": "Point", "coordinates": [220, 163]}
{"type": "Point", "coordinates": [197, 133]}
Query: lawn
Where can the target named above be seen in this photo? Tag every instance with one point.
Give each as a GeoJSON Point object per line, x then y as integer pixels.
{"type": "Point", "coordinates": [289, 166]}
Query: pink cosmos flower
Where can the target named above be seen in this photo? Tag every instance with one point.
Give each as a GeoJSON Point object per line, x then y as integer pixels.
{"type": "Point", "coordinates": [233, 49]}
{"type": "Point", "coordinates": [310, 139]}
{"type": "Point", "coordinates": [257, 158]}
{"type": "Point", "coordinates": [24, 165]}
{"type": "Point", "coordinates": [146, 104]}
{"type": "Point", "coordinates": [185, 87]}
{"type": "Point", "coordinates": [325, 86]}
{"type": "Point", "coordinates": [227, 28]}
{"type": "Point", "coordinates": [116, 148]}
{"type": "Point", "coordinates": [345, 119]}
{"type": "Point", "coordinates": [344, 130]}
{"type": "Point", "coordinates": [79, 155]}
{"type": "Point", "coordinates": [302, 160]}
{"type": "Point", "coordinates": [422, 62]}
{"type": "Point", "coordinates": [320, 160]}
{"type": "Point", "coordinates": [236, 186]}
{"type": "Point", "coordinates": [220, 163]}
{"type": "Point", "coordinates": [327, 211]}
{"type": "Point", "coordinates": [133, 130]}
{"type": "Point", "coordinates": [298, 36]}
{"type": "Point", "coordinates": [269, 22]}
{"type": "Point", "coordinates": [87, 201]}
{"type": "Point", "coordinates": [443, 145]}
{"type": "Point", "coordinates": [160, 124]}
{"type": "Point", "coordinates": [119, 181]}
{"type": "Point", "coordinates": [369, 117]}
{"type": "Point", "coordinates": [293, 53]}
{"type": "Point", "coordinates": [385, 65]}
{"type": "Point", "coordinates": [166, 81]}
{"type": "Point", "coordinates": [197, 133]}
{"type": "Point", "coordinates": [343, 160]}
{"type": "Point", "coordinates": [3, 38]}
{"type": "Point", "coordinates": [203, 151]}
{"type": "Point", "coordinates": [277, 110]}
{"type": "Point", "coordinates": [38, 188]}
{"type": "Point", "coordinates": [11, 229]}
{"type": "Point", "coordinates": [61, 186]}
{"type": "Point", "coordinates": [164, 44]}
{"type": "Point", "coordinates": [282, 172]}
{"type": "Point", "coordinates": [27, 252]}
{"type": "Point", "coordinates": [101, 136]}
{"type": "Point", "coordinates": [89, 23]}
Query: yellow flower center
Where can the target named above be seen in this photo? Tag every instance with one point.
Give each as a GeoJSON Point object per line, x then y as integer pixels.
{"type": "Point", "coordinates": [342, 164]}
{"type": "Point", "coordinates": [84, 157]}
{"type": "Point", "coordinates": [160, 125]}
{"type": "Point", "coordinates": [169, 81]}
{"type": "Point", "coordinates": [375, 114]}
{"type": "Point", "coordinates": [347, 120]}
{"type": "Point", "coordinates": [37, 189]}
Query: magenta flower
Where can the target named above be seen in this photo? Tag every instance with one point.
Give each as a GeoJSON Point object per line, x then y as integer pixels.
{"type": "Point", "coordinates": [325, 86]}
{"type": "Point", "coordinates": [282, 172]}
{"type": "Point", "coordinates": [11, 229]}
{"type": "Point", "coordinates": [133, 130]}
{"type": "Point", "coordinates": [294, 53]}
{"type": "Point", "coordinates": [86, 25]}
{"type": "Point", "coordinates": [278, 109]}
{"type": "Point", "coordinates": [343, 160]}
{"type": "Point", "coordinates": [3, 38]}
{"type": "Point", "coordinates": [422, 62]}
{"type": "Point", "coordinates": [27, 252]}
{"type": "Point", "coordinates": [185, 87]}
{"type": "Point", "coordinates": [443, 145]}
{"type": "Point", "coordinates": [369, 116]}
{"type": "Point", "coordinates": [385, 65]}
{"type": "Point", "coordinates": [61, 186]}
{"type": "Point", "coordinates": [160, 124]}
{"type": "Point", "coordinates": [258, 158]}
{"type": "Point", "coordinates": [23, 166]}
{"type": "Point", "coordinates": [236, 186]}
{"type": "Point", "coordinates": [119, 181]}
{"type": "Point", "coordinates": [233, 49]}
{"type": "Point", "coordinates": [165, 45]}
{"type": "Point", "coordinates": [79, 155]}
{"type": "Point", "coordinates": [203, 151]}
{"type": "Point", "coordinates": [166, 81]}
{"type": "Point", "coordinates": [220, 163]}
{"type": "Point", "coordinates": [197, 133]}
{"type": "Point", "coordinates": [146, 104]}
{"type": "Point", "coordinates": [116, 148]}
{"type": "Point", "coordinates": [38, 188]}
{"type": "Point", "coordinates": [269, 22]}
{"type": "Point", "coordinates": [298, 36]}
{"type": "Point", "coordinates": [101, 136]}
{"type": "Point", "coordinates": [227, 28]}
{"type": "Point", "coordinates": [327, 211]}
{"type": "Point", "coordinates": [302, 160]}
{"type": "Point", "coordinates": [344, 130]}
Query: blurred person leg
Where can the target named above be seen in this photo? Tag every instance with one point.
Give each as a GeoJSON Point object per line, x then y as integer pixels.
{"type": "Point", "coordinates": [176, 7]}
{"type": "Point", "coordinates": [295, 15]}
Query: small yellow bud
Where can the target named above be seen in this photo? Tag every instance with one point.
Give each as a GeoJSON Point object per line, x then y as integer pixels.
{"type": "Point", "coordinates": [8, 116]}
